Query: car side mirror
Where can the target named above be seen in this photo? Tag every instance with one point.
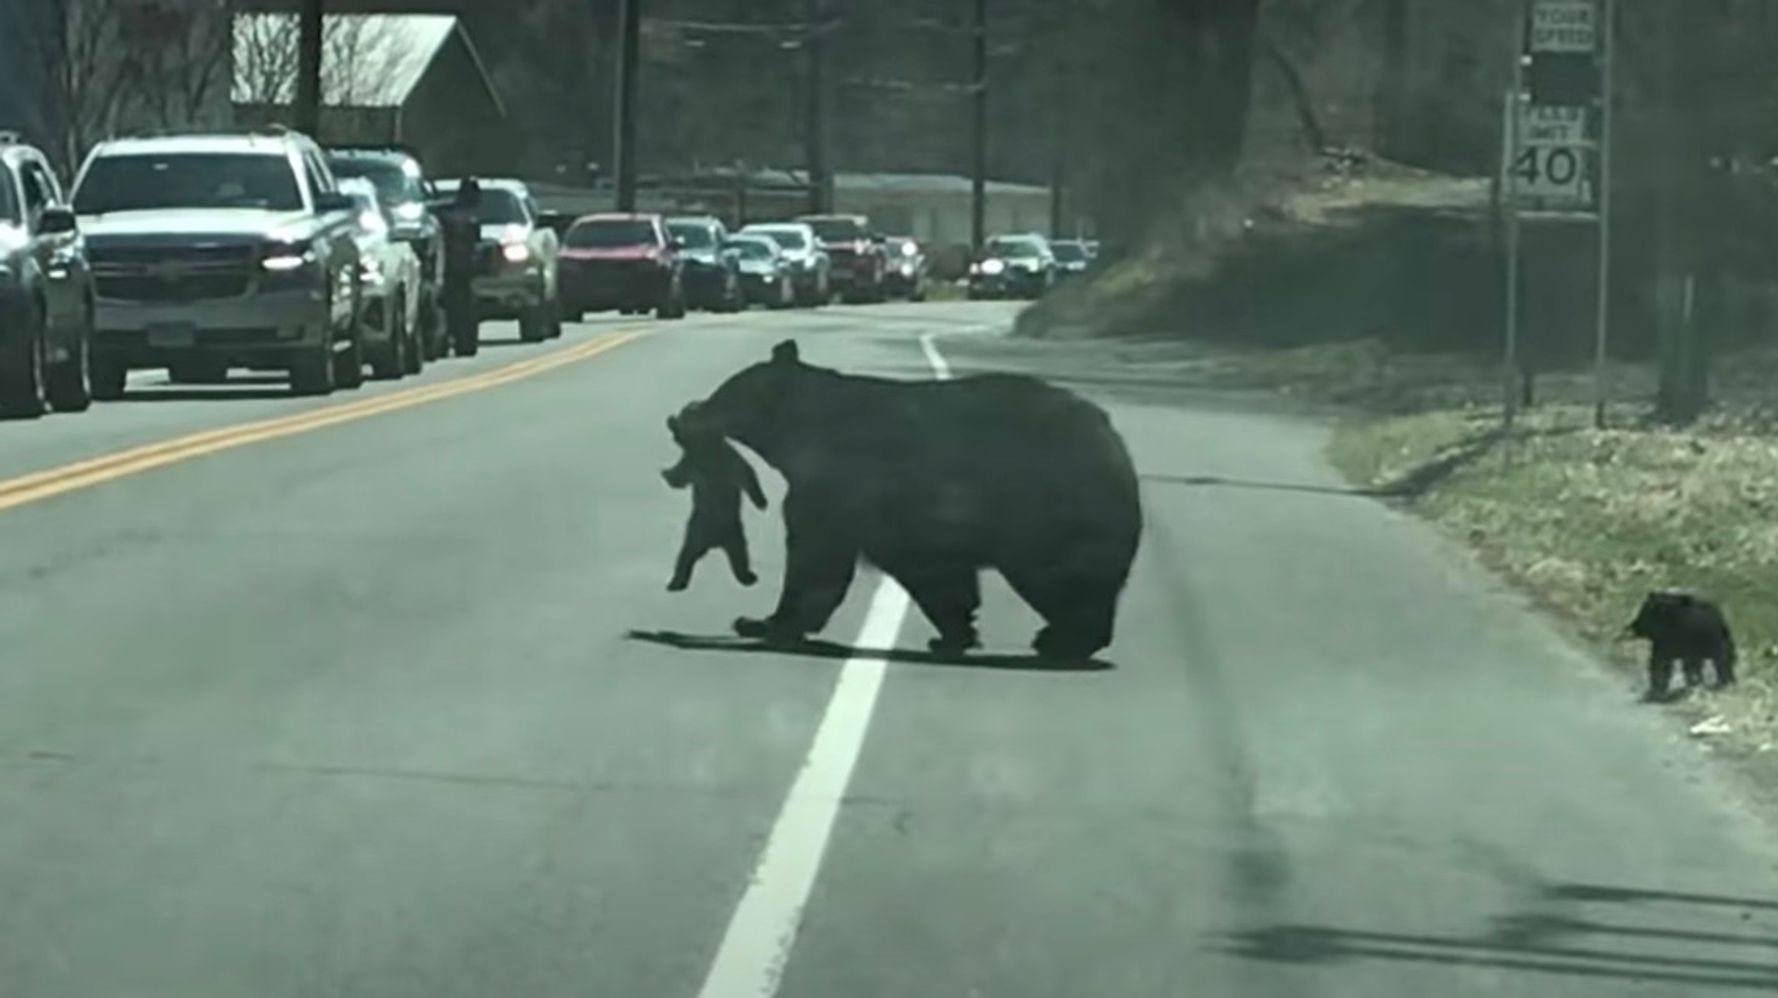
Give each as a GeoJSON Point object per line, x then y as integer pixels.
{"type": "Point", "coordinates": [56, 221]}
{"type": "Point", "coordinates": [329, 203]}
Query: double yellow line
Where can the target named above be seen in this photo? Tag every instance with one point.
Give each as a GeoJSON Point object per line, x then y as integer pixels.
{"type": "Point", "coordinates": [83, 474]}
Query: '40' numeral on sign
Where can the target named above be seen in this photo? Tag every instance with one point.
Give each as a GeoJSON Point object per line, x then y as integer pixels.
{"type": "Point", "coordinates": [1559, 166]}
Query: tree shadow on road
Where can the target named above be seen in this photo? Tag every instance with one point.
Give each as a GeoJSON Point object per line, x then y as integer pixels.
{"type": "Point", "coordinates": [1560, 941]}
{"type": "Point", "coordinates": [1217, 481]}
{"type": "Point", "coordinates": [833, 650]}
{"type": "Point", "coordinates": [1413, 484]}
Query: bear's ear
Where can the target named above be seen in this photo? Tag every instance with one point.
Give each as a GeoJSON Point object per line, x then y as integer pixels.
{"type": "Point", "coordinates": [785, 353]}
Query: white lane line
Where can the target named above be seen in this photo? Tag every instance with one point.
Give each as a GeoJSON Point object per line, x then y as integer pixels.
{"type": "Point", "coordinates": [756, 947]}
{"type": "Point", "coordinates": [940, 367]}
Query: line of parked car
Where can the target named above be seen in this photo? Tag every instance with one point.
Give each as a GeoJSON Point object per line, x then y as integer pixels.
{"type": "Point", "coordinates": [641, 262]}
{"type": "Point", "coordinates": [201, 254]}
{"type": "Point", "coordinates": [1028, 265]}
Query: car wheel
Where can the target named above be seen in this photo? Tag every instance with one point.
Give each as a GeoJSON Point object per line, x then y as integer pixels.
{"type": "Point", "coordinates": [414, 358]}
{"type": "Point", "coordinates": [70, 386]}
{"type": "Point", "coordinates": [313, 373]}
{"type": "Point", "coordinates": [388, 361]}
{"type": "Point", "coordinates": [555, 320]}
{"type": "Point", "coordinates": [438, 345]}
{"type": "Point", "coordinates": [673, 305]}
{"type": "Point", "coordinates": [109, 378]}
{"type": "Point", "coordinates": [21, 370]}
{"type": "Point", "coordinates": [534, 324]}
{"type": "Point", "coordinates": [349, 363]}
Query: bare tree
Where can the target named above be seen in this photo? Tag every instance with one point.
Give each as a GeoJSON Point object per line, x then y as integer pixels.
{"type": "Point", "coordinates": [178, 63]}
{"type": "Point", "coordinates": [360, 54]}
{"type": "Point", "coordinates": [265, 59]}
{"type": "Point", "coordinates": [70, 56]}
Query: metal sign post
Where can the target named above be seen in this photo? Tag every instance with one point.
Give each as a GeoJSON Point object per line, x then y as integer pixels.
{"type": "Point", "coordinates": [1601, 334]}
{"type": "Point", "coordinates": [1557, 161]}
{"type": "Point", "coordinates": [1509, 143]}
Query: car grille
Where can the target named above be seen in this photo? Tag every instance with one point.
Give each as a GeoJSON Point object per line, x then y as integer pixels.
{"type": "Point", "coordinates": [160, 275]}
{"type": "Point", "coordinates": [607, 270]}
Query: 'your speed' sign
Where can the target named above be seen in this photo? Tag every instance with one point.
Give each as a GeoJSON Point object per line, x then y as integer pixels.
{"type": "Point", "coordinates": [1553, 158]}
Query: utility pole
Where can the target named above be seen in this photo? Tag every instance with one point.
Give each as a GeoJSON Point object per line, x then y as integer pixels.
{"type": "Point", "coordinates": [629, 53]}
{"type": "Point", "coordinates": [815, 127]}
{"type": "Point", "coordinates": [308, 68]}
{"type": "Point", "coordinates": [978, 208]}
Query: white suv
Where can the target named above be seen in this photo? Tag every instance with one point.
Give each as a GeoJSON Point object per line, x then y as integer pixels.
{"type": "Point", "coordinates": [219, 251]}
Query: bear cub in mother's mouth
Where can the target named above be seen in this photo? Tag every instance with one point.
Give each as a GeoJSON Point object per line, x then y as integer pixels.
{"type": "Point", "coordinates": [716, 475]}
{"type": "Point", "coordinates": [1683, 628]}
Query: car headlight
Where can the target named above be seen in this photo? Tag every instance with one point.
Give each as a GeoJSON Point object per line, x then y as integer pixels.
{"type": "Point", "coordinates": [411, 211]}
{"type": "Point", "coordinates": [515, 252]}
{"type": "Point", "coordinates": [993, 267]}
{"type": "Point", "coordinates": [284, 263]}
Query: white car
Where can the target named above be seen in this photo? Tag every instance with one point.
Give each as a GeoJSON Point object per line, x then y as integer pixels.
{"type": "Point", "coordinates": [218, 251]}
{"type": "Point", "coordinates": [518, 266]}
{"type": "Point", "coordinates": [810, 267]}
{"type": "Point", "coordinates": [392, 284]}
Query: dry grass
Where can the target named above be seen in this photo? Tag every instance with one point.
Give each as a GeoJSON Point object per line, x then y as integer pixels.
{"type": "Point", "coordinates": [1588, 521]}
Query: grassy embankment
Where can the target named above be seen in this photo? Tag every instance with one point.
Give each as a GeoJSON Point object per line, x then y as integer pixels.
{"type": "Point", "coordinates": [1367, 294]}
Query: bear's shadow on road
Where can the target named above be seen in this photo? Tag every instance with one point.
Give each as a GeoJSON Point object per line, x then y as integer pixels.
{"type": "Point", "coordinates": [834, 650]}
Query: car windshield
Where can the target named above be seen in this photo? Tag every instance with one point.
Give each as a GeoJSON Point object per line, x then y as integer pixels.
{"type": "Point", "coordinates": [792, 239]}
{"type": "Point", "coordinates": [1016, 249]}
{"type": "Point", "coordinates": [369, 209]}
{"type": "Point", "coordinates": [500, 206]}
{"type": "Point", "coordinates": [9, 209]}
{"type": "Point", "coordinates": [147, 182]}
{"type": "Point", "coordinates": [752, 249]}
{"type": "Point", "coordinates": [608, 233]}
{"type": "Point", "coordinates": [394, 183]}
{"type": "Point", "coordinates": [695, 235]}
{"type": "Point", "coordinates": [1070, 252]}
{"type": "Point", "coordinates": [838, 230]}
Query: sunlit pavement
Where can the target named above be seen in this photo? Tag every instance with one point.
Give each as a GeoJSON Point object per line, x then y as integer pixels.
{"type": "Point", "coordinates": [358, 709]}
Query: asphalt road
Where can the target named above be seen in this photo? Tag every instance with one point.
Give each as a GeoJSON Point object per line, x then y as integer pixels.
{"type": "Point", "coordinates": [386, 700]}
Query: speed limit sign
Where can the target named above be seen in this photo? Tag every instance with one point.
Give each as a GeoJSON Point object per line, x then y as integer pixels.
{"type": "Point", "coordinates": [1553, 159]}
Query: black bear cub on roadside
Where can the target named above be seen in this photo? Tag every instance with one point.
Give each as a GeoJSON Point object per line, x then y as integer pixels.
{"type": "Point", "coordinates": [716, 475]}
{"type": "Point", "coordinates": [1685, 629]}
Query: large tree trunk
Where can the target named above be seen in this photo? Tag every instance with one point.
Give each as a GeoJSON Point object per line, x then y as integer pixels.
{"type": "Point", "coordinates": [1391, 106]}
{"type": "Point", "coordinates": [1313, 133]}
{"type": "Point", "coordinates": [1172, 104]}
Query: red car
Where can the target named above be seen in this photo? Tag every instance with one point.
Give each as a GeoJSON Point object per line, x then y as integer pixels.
{"type": "Point", "coordinates": [860, 265]}
{"type": "Point", "coordinates": [623, 262]}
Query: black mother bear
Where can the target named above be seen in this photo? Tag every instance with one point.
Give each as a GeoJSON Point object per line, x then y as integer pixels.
{"type": "Point", "coordinates": [933, 481]}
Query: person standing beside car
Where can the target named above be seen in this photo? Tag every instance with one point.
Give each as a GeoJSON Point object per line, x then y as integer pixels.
{"type": "Point", "coordinates": [462, 233]}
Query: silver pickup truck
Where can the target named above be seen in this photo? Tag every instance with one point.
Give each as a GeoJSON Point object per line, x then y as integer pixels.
{"type": "Point", "coordinates": [219, 251]}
